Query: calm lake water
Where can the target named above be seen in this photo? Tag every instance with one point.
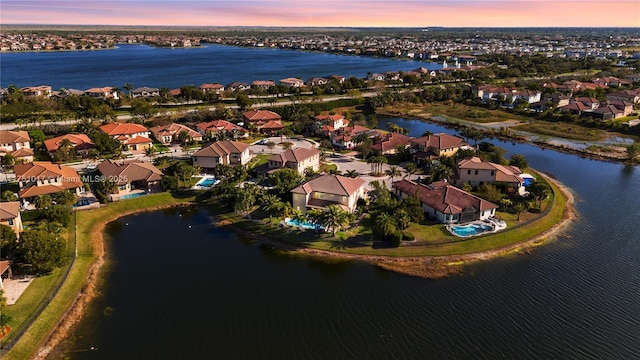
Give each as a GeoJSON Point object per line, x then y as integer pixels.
{"type": "Point", "coordinates": [143, 65]}
{"type": "Point", "coordinates": [180, 288]}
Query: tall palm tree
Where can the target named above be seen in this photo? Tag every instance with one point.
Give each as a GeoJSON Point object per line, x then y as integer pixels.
{"type": "Point", "coordinates": [270, 203]}
{"type": "Point", "coordinates": [150, 151]}
{"type": "Point", "coordinates": [351, 173]}
{"type": "Point", "coordinates": [411, 168]}
{"type": "Point", "coordinates": [129, 88]}
{"type": "Point", "coordinates": [335, 218]}
{"type": "Point", "coordinates": [393, 172]}
{"type": "Point", "coordinates": [385, 224]}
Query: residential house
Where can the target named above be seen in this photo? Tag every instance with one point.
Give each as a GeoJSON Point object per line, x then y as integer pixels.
{"type": "Point", "coordinates": [317, 81]}
{"type": "Point", "coordinates": [167, 134]}
{"type": "Point", "coordinates": [433, 146]}
{"type": "Point", "coordinates": [102, 93]}
{"type": "Point", "coordinates": [135, 137]}
{"type": "Point", "coordinates": [610, 81]}
{"type": "Point", "coordinates": [389, 143]}
{"type": "Point", "coordinates": [605, 112]}
{"type": "Point", "coordinates": [10, 216]}
{"type": "Point", "coordinates": [632, 96]}
{"type": "Point", "coordinates": [327, 190]}
{"type": "Point", "coordinates": [327, 123]}
{"type": "Point", "coordinates": [16, 144]}
{"type": "Point", "coordinates": [264, 84]}
{"type": "Point", "coordinates": [445, 202]}
{"type": "Point", "coordinates": [238, 86]}
{"type": "Point", "coordinates": [131, 177]}
{"type": "Point", "coordinates": [376, 77]}
{"type": "Point", "coordinates": [37, 91]}
{"type": "Point", "coordinates": [292, 82]}
{"type": "Point", "coordinates": [224, 127]}
{"type": "Point", "coordinates": [42, 177]}
{"type": "Point", "coordinates": [215, 88]}
{"type": "Point", "coordinates": [145, 92]}
{"type": "Point", "coordinates": [475, 172]}
{"type": "Point", "coordinates": [222, 152]}
{"type": "Point", "coordinates": [80, 143]}
{"type": "Point", "coordinates": [264, 121]}
{"type": "Point", "coordinates": [298, 159]}
{"type": "Point", "coordinates": [344, 137]}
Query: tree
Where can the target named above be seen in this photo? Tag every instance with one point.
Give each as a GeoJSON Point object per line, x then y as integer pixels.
{"type": "Point", "coordinates": [43, 201]}
{"type": "Point", "coordinates": [335, 218]}
{"type": "Point", "coordinates": [402, 218]}
{"type": "Point", "coordinates": [8, 239]}
{"type": "Point", "coordinates": [385, 224]}
{"type": "Point", "coordinates": [490, 192]}
{"type": "Point", "coordinates": [59, 214]}
{"type": "Point", "coordinates": [142, 109]}
{"type": "Point", "coordinates": [393, 172]}
{"type": "Point", "coordinates": [632, 153]}
{"type": "Point", "coordinates": [243, 101]}
{"type": "Point", "coordinates": [285, 179]}
{"type": "Point", "coordinates": [150, 151]}
{"type": "Point", "coordinates": [183, 137]}
{"type": "Point", "coordinates": [270, 203]}
{"type": "Point", "coordinates": [520, 161]}
{"type": "Point", "coordinates": [411, 168]}
{"type": "Point", "coordinates": [8, 195]}
{"type": "Point", "coordinates": [184, 171]}
{"type": "Point", "coordinates": [351, 173]}
{"type": "Point", "coordinates": [8, 160]}
{"type": "Point", "coordinates": [65, 197]}
{"type": "Point", "coordinates": [520, 208]}
{"type": "Point", "coordinates": [43, 250]}
{"type": "Point", "coordinates": [505, 203]}
{"type": "Point", "coordinates": [539, 190]}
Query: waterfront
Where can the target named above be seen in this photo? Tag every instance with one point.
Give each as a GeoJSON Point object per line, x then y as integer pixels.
{"type": "Point", "coordinates": [186, 289]}
{"type": "Point", "coordinates": [143, 65]}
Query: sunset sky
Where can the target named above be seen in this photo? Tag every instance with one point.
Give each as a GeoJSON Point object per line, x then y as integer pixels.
{"type": "Point", "coordinates": [327, 13]}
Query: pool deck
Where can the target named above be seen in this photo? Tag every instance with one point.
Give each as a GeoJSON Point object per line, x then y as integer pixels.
{"type": "Point", "coordinates": [496, 225]}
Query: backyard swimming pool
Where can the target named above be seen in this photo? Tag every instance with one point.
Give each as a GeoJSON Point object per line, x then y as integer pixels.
{"type": "Point", "coordinates": [302, 224]}
{"type": "Point", "coordinates": [131, 196]}
{"type": "Point", "coordinates": [469, 229]}
{"type": "Point", "coordinates": [207, 182]}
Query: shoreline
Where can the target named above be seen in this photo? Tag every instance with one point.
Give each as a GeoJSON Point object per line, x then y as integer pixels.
{"type": "Point", "coordinates": [89, 289]}
{"type": "Point", "coordinates": [426, 267]}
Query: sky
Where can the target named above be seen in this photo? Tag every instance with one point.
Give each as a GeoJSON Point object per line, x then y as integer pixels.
{"type": "Point", "coordinates": [326, 13]}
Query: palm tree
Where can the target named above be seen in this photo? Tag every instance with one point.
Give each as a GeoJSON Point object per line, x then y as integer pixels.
{"type": "Point", "coordinates": [335, 218]}
{"type": "Point", "coordinates": [129, 88]}
{"type": "Point", "coordinates": [427, 133]}
{"type": "Point", "coordinates": [385, 224]}
{"type": "Point", "coordinates": [270, 203]}
{"type": "Point", "coordinates": [393, 172]}
{"type": "Point", "coordinates": [402, 218]}
{"type": "Point", "coordinates": [351, 173]}
{"type": "Point", "coordinates": [150, 151]}
{"type": "Point", "coordinates": [411, 168]}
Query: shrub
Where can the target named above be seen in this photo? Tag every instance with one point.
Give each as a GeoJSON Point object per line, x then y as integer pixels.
{"type": "Point", "coordinates": [408, 236]}
{"type": "Point", "coordinates": [396, 238]}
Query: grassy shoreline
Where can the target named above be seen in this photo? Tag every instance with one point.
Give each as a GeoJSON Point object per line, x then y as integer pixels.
{"type": "Point", "coordinates": [428, 261]}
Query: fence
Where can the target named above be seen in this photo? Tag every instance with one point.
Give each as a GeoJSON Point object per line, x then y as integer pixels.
{"type": "Point", "coordinates": [6, 345]}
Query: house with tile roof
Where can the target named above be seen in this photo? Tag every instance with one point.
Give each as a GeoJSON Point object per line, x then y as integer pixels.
{"type": "Point", "coordinates": [475, 172]}
{"type": "Point", "coordinates": [214, 88]}
{"type": "Point", "coordinates": [222, 127]}
{"type": "Point", "coordinates": [170, 133]}
{"type": "Point", "coordinates": [445, 202]}
{"type": "Point", "coordinates": [145, 92]}
{"type": "Point", "coordinates": [264, 84]}
{"type": "Point", "coordinates": [134, 136]}
{"type": "Point", "coordinates": [16, 144]}
{"type": "Point", "coordinates": [433, 146]}
{"type": "Point", "coordinates": [102, 93]}
{"type": "Point", "coordinates": [10, 216]}
{"type": "Point", "coordinates": [292, 82]}
{"type": "Point", "coordinates": [222, 152]}
{"type": "Point", "coordinates": [132, 176]}
{"type": "Point", "coordinates": [325, 190]}
{"type": "Point", "coordinates": [388, 143]}
{"type": "Point", "coordinates": [42, 177]}
{"type": "Point", "coordinates": [632, 96]}
{"type": "Point", "coordinates": [80, 143]}
{"type": "Point", "coordinates": [298, 159]}
{"type": "Point", "coordinates": [264, 121]}
{"type": "Point", "coordinates": [327, 123]}
{"type": "Point", "coordinates": [344, 137]}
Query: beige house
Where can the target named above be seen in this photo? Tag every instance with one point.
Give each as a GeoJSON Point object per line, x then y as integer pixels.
{"type": "Point", "coordinates": [435, 145]}
{"type": "Point", "coordinates": [325, 124]}
{"type": "Point", "coordinates": [132, 177]}
{"type": "Point", "coordinates": [167, 134]}
{"type": "Point", "coordinates": [43, 177]}
{"type": "Point", "coordinates": [222, 152]}
{"type": "Point", "coordinates": [10, 216]}
{"type": "Point", "coordinates": [328, 190]}
{"type": "Point", "coordinates": [292, 82]}
{"type": "Point", "coordinates": [16, 144]}
{"type": "Point", "coordinates": [133, 136]}
{"type": "Point", "coordinates": [297, 159]}
{"type": "Point", "coordinates": [475, 172]}
{"type": "Point", "coordinates": [81, 144]}
{"type": "Point", "coordinates": [445, 202]}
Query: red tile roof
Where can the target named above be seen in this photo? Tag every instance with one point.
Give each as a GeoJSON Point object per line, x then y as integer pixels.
{"type": "Point", "coordinates": [443, 197]}
{"type": "Point", "coordinates": [77, 141]}
{"type": "Point", "coordinates": [261, 115]}
{"type": "Point", "coordinates": [115, 129]}
{"type": "Point", "coordinates": [42, 170]}
{"type": "Point", "coordinates": [331, 184]}
{"type": "Point", "coordinates": [222, 148]}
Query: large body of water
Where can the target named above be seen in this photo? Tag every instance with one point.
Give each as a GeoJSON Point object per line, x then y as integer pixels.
{"type": "Point", "coordinates": [181, 288]}
{"type": "Point", "coordinates": [143, 65]}
{"type": "Point", "coordinates": [177, 287]}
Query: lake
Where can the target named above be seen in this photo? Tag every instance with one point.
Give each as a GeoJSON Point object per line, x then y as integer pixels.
{"type": "Point", "coordinates": [177, 287]}
{"type": "Point", "coordinates": [143, 65]}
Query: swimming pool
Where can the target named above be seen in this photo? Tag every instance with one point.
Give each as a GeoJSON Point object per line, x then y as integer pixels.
{"type": "Point", "coordinates": [130, 196]}
{"type": "Point", "coordinates": [470, 229]}
{"type": "Point", "coordinates": [207, 182]}
{"type": "Point", "coordinates": [302, 224]}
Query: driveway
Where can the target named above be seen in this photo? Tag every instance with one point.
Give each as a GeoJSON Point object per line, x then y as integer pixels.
{"type": "Point", "coordinates": [258, 147]}
{"type": "Point", "coordinates": [346, 163]}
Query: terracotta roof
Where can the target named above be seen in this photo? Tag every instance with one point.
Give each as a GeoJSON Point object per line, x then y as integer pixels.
{"type": "Point", "coordinates": [77, 140]}
{"type": "Point", "coordinates": [222, 148]}
{"type": "Point", "coordinates": [138, 140]}
{"type": "Point", "coordinates": [12, 137]}
{"type": "Point", "coordinates": [174, 129]}
{"type": "Point", "coordinates": [329, 118]}
{"type": "Point", "coordinates": [22, 152]}
{"type": "Point", "coordinates": [331, 184]}
{"type": "Point", "coordinates": [443, 197]}
{"type": "Point", "coordinates": [296, 155]}
{"type": "Point", "coordinates": [439, 141]}
{"type": "Point", "coordinates": [4, 265]}
{"type": "Point", "coordinates": [389, 142]}
{"type": "Point", "coordinates": [115, 129]}
{"type": "Point", "coordinates": [504, 173]}
{"type": "Point", "coordinates": [42, 170]}
{"type": "Point", "coordinates": [260, 115]}
{"type": "Point", "coordinates": [128, 171]}
{"type": "Point", "coordinates": [9, 210]}
{"type": "Point", "coordinates": [272, 125]}
{"type": "Point", "coordinates": [219, 125]}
